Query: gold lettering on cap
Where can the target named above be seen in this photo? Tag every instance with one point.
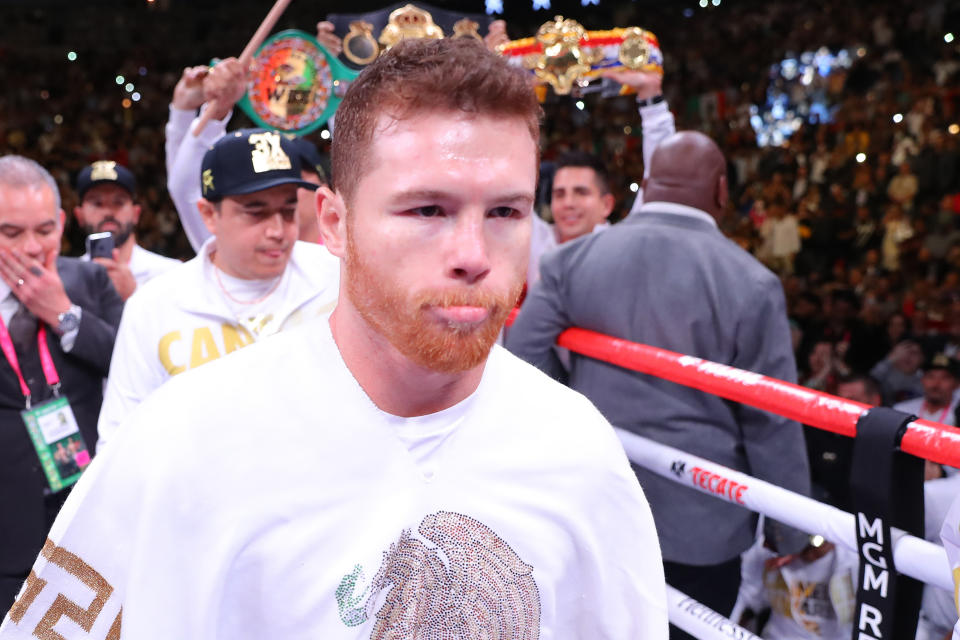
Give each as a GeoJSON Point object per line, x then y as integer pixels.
{"type": "Point", "coordinates": [207, 180]}
{"type": "Point", "coordinates": [267, 154]}
{"type": "Point", "coordinates": [103, 170]}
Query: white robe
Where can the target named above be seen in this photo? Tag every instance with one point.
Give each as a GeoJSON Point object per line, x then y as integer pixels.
{"type": "Point", "coordinates": [265, 496]}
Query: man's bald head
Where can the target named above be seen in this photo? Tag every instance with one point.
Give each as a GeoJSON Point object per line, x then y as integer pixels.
{"type": "Point", "coordinates": [688, 168]}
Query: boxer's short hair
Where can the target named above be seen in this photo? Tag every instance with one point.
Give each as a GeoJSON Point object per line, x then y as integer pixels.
{"type": "Point", "coordinates": [419, 76]}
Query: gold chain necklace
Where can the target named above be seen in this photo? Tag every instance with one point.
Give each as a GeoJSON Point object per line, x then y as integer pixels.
{"type": "Point", "coordinates": [216, 273]}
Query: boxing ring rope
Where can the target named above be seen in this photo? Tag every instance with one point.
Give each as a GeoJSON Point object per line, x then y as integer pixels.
{"type": "Point", "coordinates": [913, 556]}
{"type": "Point", "coordinates": [923, 438]}
{"type": "Point", "coordinates": [931, 440]}
{"type": "Point", "coordinates": [701, 621]}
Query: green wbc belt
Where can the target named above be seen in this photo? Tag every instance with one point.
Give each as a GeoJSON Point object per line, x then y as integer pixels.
{"type": "Point", "coordinates": [294, 85]}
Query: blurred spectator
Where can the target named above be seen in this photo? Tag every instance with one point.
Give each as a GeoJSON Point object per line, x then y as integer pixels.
{"type": "Point", "coordinates": [781, 238]}
{"type": "Point", "coordinates": [939, 382]}
{"type": "Point", "coordinates": [106, 192]}
{"type": "Point", "coordinates": [898, 374]}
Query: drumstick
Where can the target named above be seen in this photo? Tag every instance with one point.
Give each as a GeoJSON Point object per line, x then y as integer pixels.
{"type": "Point", "coordinates": [258, 37]}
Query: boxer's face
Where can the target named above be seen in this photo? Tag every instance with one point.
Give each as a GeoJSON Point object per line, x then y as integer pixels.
{"type": "Point", "coordinates": [438, 234]}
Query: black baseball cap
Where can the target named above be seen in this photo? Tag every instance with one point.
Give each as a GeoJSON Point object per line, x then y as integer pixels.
{"type": "Point", "coordinates": [945, 362]}
{"type": "Point", "coordinates": [104, 172]}
{"type": "Point", "coordinates": [249, 160]}
{"type": "Point", "coordinates": [310, 157]}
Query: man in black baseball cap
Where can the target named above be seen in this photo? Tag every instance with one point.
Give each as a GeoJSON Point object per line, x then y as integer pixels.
{"type": "Point", "coordinates": [249, 280]}
{"type": "Point", "coordinates": [940, 381]}
{"type": "Point", "coordinates": [107, 191]}
{"type": "Point", "coordinates": [218, 91]}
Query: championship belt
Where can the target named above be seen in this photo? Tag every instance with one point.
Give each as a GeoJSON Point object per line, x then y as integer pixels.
{"type": "Point", "coordinates": [368, 35]}
{"type": "Point", "coordinates": [294, 84]}
{"type": "Point", "coordinates": [564, 54]}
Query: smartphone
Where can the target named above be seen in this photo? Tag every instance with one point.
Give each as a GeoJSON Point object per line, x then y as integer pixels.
{"type": "Point", "coordinates": [100, 245]}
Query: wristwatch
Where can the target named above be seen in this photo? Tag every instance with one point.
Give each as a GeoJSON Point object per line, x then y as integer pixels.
{"type": "Point", "coordinates": [69, 320]}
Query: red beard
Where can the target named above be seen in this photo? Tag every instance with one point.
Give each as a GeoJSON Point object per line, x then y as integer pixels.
{"type": "Point", "coordinates": [405, 321]}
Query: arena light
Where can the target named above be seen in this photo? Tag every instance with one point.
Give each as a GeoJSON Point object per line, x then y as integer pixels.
{"type": "Point", "coordinates": [126, 103]}
{"type": "Point", "coordinates": [129, 87]}
{"type": "Point", "coordinates": [897, 118]}
{"type": "Point", "coordinates": [136, 96]}
{"type": "Point", "coordinates": [715, 3]}
{"type": "Point", "coordinates": [494, 6]}
{"type": "Point", "coordinates": [948, 38]}
{"type": "Point", "coordinates": [58, 119]}
{"type": "Point", "coordinates": [634, 187]}
{"type": "Point", "coordinates": [703, 4]}
{"type": "Point", "coordinates": [580, 105]}
{"type": "Point", "coordinates": [541, 4]}
{"type": "Point", "coordinates": [325, 135]}
{"type": "Point", "coordinates": [120, 79]}
{"type": "Point", "coordinates": [954, 129]}
{"type": "Point", "coordinates": [861, 157]}
{"type": "Point", "coordinates": [72, 56]}
{"type": "Point", "coordinates": [627, 130]}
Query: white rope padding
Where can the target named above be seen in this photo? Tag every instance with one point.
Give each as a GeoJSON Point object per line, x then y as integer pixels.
{"type": "Point", "coordinates": [913, 557]}
{"type": "Point", "coordinates": [701, 621]}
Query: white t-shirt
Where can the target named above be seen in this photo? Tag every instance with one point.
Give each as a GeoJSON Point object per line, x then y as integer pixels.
{"type": "Point", "coordinates": [265, 496]}
{"type": "Point", "coordinates": [807, 600]}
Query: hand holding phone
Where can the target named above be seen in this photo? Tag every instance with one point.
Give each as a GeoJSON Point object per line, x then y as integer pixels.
{"type": "Point", "coordinates": [100, 245]}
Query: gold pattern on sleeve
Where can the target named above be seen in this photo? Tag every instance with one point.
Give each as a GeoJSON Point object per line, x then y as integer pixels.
{"type": "Point", "coordinates": [114, 633]}
{"type": "Point", "coordinates": [62, 606]}
{"type": "Point", "coordinates": [34, 586]}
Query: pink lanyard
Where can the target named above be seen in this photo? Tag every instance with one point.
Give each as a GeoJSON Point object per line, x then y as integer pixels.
{"type": "Point", "coordinates": [46, 360]}
{"type": "Point", "coordinates": [942, 415]}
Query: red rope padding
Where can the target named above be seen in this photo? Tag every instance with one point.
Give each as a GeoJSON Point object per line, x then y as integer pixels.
{"type": "Point", "coordinates": [923, 438]}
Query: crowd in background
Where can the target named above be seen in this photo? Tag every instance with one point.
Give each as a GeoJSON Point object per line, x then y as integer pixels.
{"type": "Point", "coordinates": [857, 213]}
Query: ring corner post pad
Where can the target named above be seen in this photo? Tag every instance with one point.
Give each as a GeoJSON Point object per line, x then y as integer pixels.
{"type": "Point", "coordinates": [887, 489]}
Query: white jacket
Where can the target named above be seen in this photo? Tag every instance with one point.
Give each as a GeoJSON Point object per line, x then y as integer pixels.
{"type": "Point", "coordinates": [180, 320]}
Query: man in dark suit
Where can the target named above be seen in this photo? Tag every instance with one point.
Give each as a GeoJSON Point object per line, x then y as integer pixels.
{"type": "Point", "coordinates": [667, 277]}
{"type": "Point", "coordinates": [73, 305]}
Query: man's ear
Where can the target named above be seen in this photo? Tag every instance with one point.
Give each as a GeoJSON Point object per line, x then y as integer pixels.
{"type": "Point", "coordinates": [723, 193]}
{"type": "Point", "coordinates": [608, 202]}
{"type": "Point", "coordinates": [332, 219]}
{"type": "Point", "coordinates": [136, 213]}
{"type": "Point", "coordinates": [208, 212]}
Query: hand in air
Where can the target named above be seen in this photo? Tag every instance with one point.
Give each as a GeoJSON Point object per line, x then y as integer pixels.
{"type": "Point", "coordinates": [188, 94]}
{"type": "Point", "coordinates": [646, 84]}
{"type": "Point", "coordinates": [330, 41]}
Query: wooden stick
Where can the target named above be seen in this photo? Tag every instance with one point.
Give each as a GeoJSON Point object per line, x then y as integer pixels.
{"type": "Point", "coordinates": [247, 56]}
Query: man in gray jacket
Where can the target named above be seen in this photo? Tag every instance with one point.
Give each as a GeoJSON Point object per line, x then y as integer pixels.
{"type": "Point", "coordinates": [667, 277]}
